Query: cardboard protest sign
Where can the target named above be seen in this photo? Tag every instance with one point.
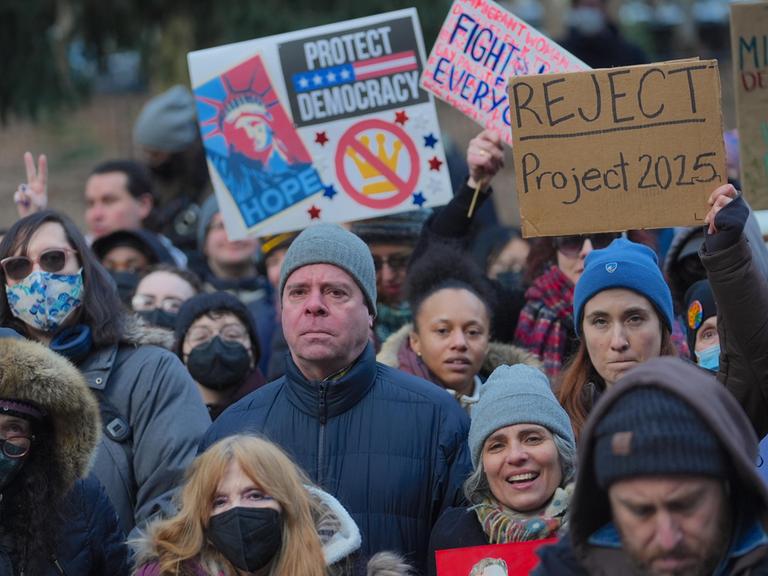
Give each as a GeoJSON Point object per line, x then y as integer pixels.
{"type": "Point", "coordinates": [326, 124]}
{"type": "Point", "coordinates": [478, 48]}
{"type": "Point", "coordinates": [749, 44]}
{"type": "Point", "coordinates": [516, 559]}
{"type": "Point", "coordinates": [617, 149]}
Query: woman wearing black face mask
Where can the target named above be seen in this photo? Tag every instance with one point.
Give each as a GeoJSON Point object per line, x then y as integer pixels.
{"type": "Point", "coordinates": [52, 522]}
{"type": "Point", "coordinates": [246, 509]}
{"type": "Point", "coordinates": [216, 339]}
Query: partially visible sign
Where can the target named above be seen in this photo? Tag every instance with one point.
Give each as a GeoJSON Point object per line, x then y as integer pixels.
{"type": "Point", "coordinates": [516, 559]}
{"type": "Point", "coordinates": [749, 46]}
{"type": "Point", "coordinates": [479, 47]}
{"type": "Point", "coordinates": [327, 124]}
{"type": "Point", "coordinates": [617, 149]}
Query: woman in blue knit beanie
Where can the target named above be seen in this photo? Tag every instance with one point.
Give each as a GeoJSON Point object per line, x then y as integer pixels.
{"type": "Point", "coordinates": [622, 312]}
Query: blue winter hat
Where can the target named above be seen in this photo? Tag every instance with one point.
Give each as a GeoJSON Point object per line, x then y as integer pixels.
{"type": "Point", "coordinates": [518, 394]}
{"type": "Point", "coordinates": [332, 244]}
{"type": "Point", "coordinates": [623, 264]}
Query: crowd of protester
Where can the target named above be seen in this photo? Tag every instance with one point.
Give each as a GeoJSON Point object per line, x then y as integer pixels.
{"type": "Point", "coordinates": [353, 399]}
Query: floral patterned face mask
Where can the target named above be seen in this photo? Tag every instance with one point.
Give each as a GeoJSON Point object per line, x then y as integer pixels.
{"type": "Point", "coordinates": [44, 300]}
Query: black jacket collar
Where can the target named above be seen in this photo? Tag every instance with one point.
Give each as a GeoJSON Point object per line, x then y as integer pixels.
{"type": "Point", "coordinates": [328, 398]}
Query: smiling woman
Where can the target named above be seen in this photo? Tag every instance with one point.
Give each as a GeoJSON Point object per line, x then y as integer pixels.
{"type": "Point", "coordinates": [524, 458]}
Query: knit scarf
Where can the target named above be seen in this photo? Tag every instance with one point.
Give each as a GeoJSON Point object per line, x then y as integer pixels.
{"type": "Point", "coordinates": [503, 525]}
{"type": "Point", "coordinates": [390, 319]}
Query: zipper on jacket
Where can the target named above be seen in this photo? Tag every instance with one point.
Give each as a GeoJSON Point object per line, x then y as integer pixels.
{"type": "Point", "coordinates": [322, 415]}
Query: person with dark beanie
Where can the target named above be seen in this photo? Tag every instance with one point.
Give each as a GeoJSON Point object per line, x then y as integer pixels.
{"type": "Point", "coordinates": [666, 482]}
{"type": "Point", "coordinates": [216, 339]}
{"type": "Point", "coordinates": [701, 325]}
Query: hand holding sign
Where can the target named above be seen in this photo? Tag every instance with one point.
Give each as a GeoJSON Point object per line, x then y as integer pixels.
{"type": "Point", "coordinates": [718, 200]}
{"type": "Point", "coordinates": [485, 157]}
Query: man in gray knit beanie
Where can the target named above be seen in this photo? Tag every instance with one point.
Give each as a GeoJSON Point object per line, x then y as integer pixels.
{"type": "Point", "coordinates": [390, 446]}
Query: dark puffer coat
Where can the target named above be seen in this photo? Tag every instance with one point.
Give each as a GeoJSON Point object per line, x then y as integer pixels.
{"type": "Point", "coordinates": [391, 447]}
{"type": "Point", "coordinates": [90, 541]}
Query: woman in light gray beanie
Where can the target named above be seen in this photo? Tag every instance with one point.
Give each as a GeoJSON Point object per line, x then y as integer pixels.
{"type": "Point", "coordinates": [524, 456]}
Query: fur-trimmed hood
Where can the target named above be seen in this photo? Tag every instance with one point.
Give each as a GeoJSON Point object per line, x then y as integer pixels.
{"type": "Point", "coordinates": [32, 373]}
{"type": "Point", "coordinates": [136, 332]}
{"type": "Point", "coordinates": [498, 352]}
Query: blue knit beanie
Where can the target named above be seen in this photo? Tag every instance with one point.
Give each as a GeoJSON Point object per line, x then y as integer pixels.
{"type": "Point", "coordinates": [623, 264]}
{"type": "Point", "coordinates": [332, 244]}
{"type": "Point", "coordinates": [518, 394]}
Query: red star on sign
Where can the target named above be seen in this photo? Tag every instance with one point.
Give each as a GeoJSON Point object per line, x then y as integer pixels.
{"type": "Point", "coordinates": [321, 138]}
{"type": "Point", "coordinates": [401, 118]}
{"type": "Point", "coordinates": [314, 212]}
{"type": "Point", "coordinates": [435, 163]}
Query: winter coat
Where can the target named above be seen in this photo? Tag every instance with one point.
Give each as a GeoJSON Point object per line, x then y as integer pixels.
{"type": "Point", "coordinates": [741, 293]}
{"type": "Point", "coordinates": [397, 353]}
{"type": "Point", "coordinates": [391, 447]}
{"type": "Point", "coordinates": [456, 528]}
{"type": "Point", "coordinates": [588, 550]}
{"type": "Point", "coordinates": [339, 538]}
{"type": "Point", "coordinates": [90, 541]}
{"type": "Point", "coordinates": [153, 391]}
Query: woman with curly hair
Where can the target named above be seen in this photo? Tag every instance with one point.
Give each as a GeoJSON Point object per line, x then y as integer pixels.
{"type": "Point", "coordinates": [52, 522]}
{"type": "Point", "coordinates": [449, 342]}
{"type": "Point", "coordinates": [246, 508]}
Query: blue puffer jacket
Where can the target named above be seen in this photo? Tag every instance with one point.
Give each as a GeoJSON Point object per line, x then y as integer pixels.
{"type": "Point", "coordinates": [391, 447]}
{"type": "Point", "coordinates": [92, 542]}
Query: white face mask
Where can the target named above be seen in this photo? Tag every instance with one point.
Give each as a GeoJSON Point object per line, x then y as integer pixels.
{"type": "Point", "coordinates": [44, 300]}
{"type": "Point", "coordinates": [587, 20]}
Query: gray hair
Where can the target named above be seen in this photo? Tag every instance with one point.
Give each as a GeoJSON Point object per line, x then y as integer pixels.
{"type": "Point", "coordinates": [477, 489]}
{"type": "Point", "coordinates": [479, 568]}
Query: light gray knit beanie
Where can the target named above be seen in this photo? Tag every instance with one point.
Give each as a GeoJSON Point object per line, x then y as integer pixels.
{"type": "Point", "coordinates": [332, 244]}
{"type": "Point", "coordinates": [168, 122]}
{"type": "Point", "coordinates": [518, 394]}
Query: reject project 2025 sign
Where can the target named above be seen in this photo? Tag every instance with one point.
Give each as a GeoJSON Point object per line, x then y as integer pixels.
{"type": "Point", "coordinates": [617, 149]}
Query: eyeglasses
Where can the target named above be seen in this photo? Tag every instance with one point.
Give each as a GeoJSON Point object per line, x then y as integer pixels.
{"type": "Point", "coordinates": [143, 302]}
{"type": "Point", "coordinates": [52, 260]}
{"type": "Point", "coordinates": [15, 446]}
{"type": "Point", "coordinates": [228, 333]}
{"type": "Point", "coordinates": [396, 262]}
{"type": "Point", "coordinates": [571, 245]}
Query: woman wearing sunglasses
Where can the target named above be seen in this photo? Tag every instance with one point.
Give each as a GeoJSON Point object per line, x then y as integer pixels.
{"type": "Point", "coordinates": [57, 293]}
{"type": "Point", "coordinates": [545, 327]}
{"type": "Point", "coordinates": [52, 522]}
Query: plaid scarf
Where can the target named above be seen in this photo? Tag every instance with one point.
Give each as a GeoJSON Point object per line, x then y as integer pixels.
{"type": "Point", "coordinates": [546, 322]}
{"type": "Point", "coordinates": [503, 525]}
{"type": "Point", "coordinates": [390, 319]}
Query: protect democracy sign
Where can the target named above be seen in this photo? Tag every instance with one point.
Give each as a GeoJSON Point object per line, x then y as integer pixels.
{"type": "Point", "coordinates": [617, 149]}
{"type": "Point", "coordinates": [479, 47]}
{"type": "Point", "coordinates": [323, 124]}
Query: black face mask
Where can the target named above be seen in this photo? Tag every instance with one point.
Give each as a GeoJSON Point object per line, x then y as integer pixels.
{"type": "Point", "coordinates": [248, 537]}
{"type": "Point", "coordinates": [126, 284]}
{"type": "Point", "coordinates": [159, 317]}
{"type": "Point", "coordinates": [219, 365]}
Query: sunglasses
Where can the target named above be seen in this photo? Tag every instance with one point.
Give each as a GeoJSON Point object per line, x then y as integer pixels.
{"type": "Point", "coordinates": [571, 245]}
{"type": "Point", "coordinates": [395, 262]}
{"type": "Point", "coordinates": [19, 267]}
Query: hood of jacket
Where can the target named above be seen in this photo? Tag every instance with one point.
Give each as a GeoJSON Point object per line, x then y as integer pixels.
{"type": "Point", "coordinates": [677, 284]}
{"type": "Point", "coordinates": [590, 508]}
{"type": "Point", "coordinates": [32, 373]}
{"type": "Point", "coordinates": [498, 353]}
{"type": "Point", "coordinates": [136, 332]}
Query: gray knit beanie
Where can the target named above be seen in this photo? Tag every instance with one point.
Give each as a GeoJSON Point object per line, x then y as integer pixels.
{"type": "Point", "coordinates": [648, 432]}
{"type": "Point", "coordinates": [208, 210]}
{"type": "Point", "coordinates": [518, 394]}
{"type": "Point", "coordinates": [168, 122]}
{"type": "Point", "coordinates": [332, 244]}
